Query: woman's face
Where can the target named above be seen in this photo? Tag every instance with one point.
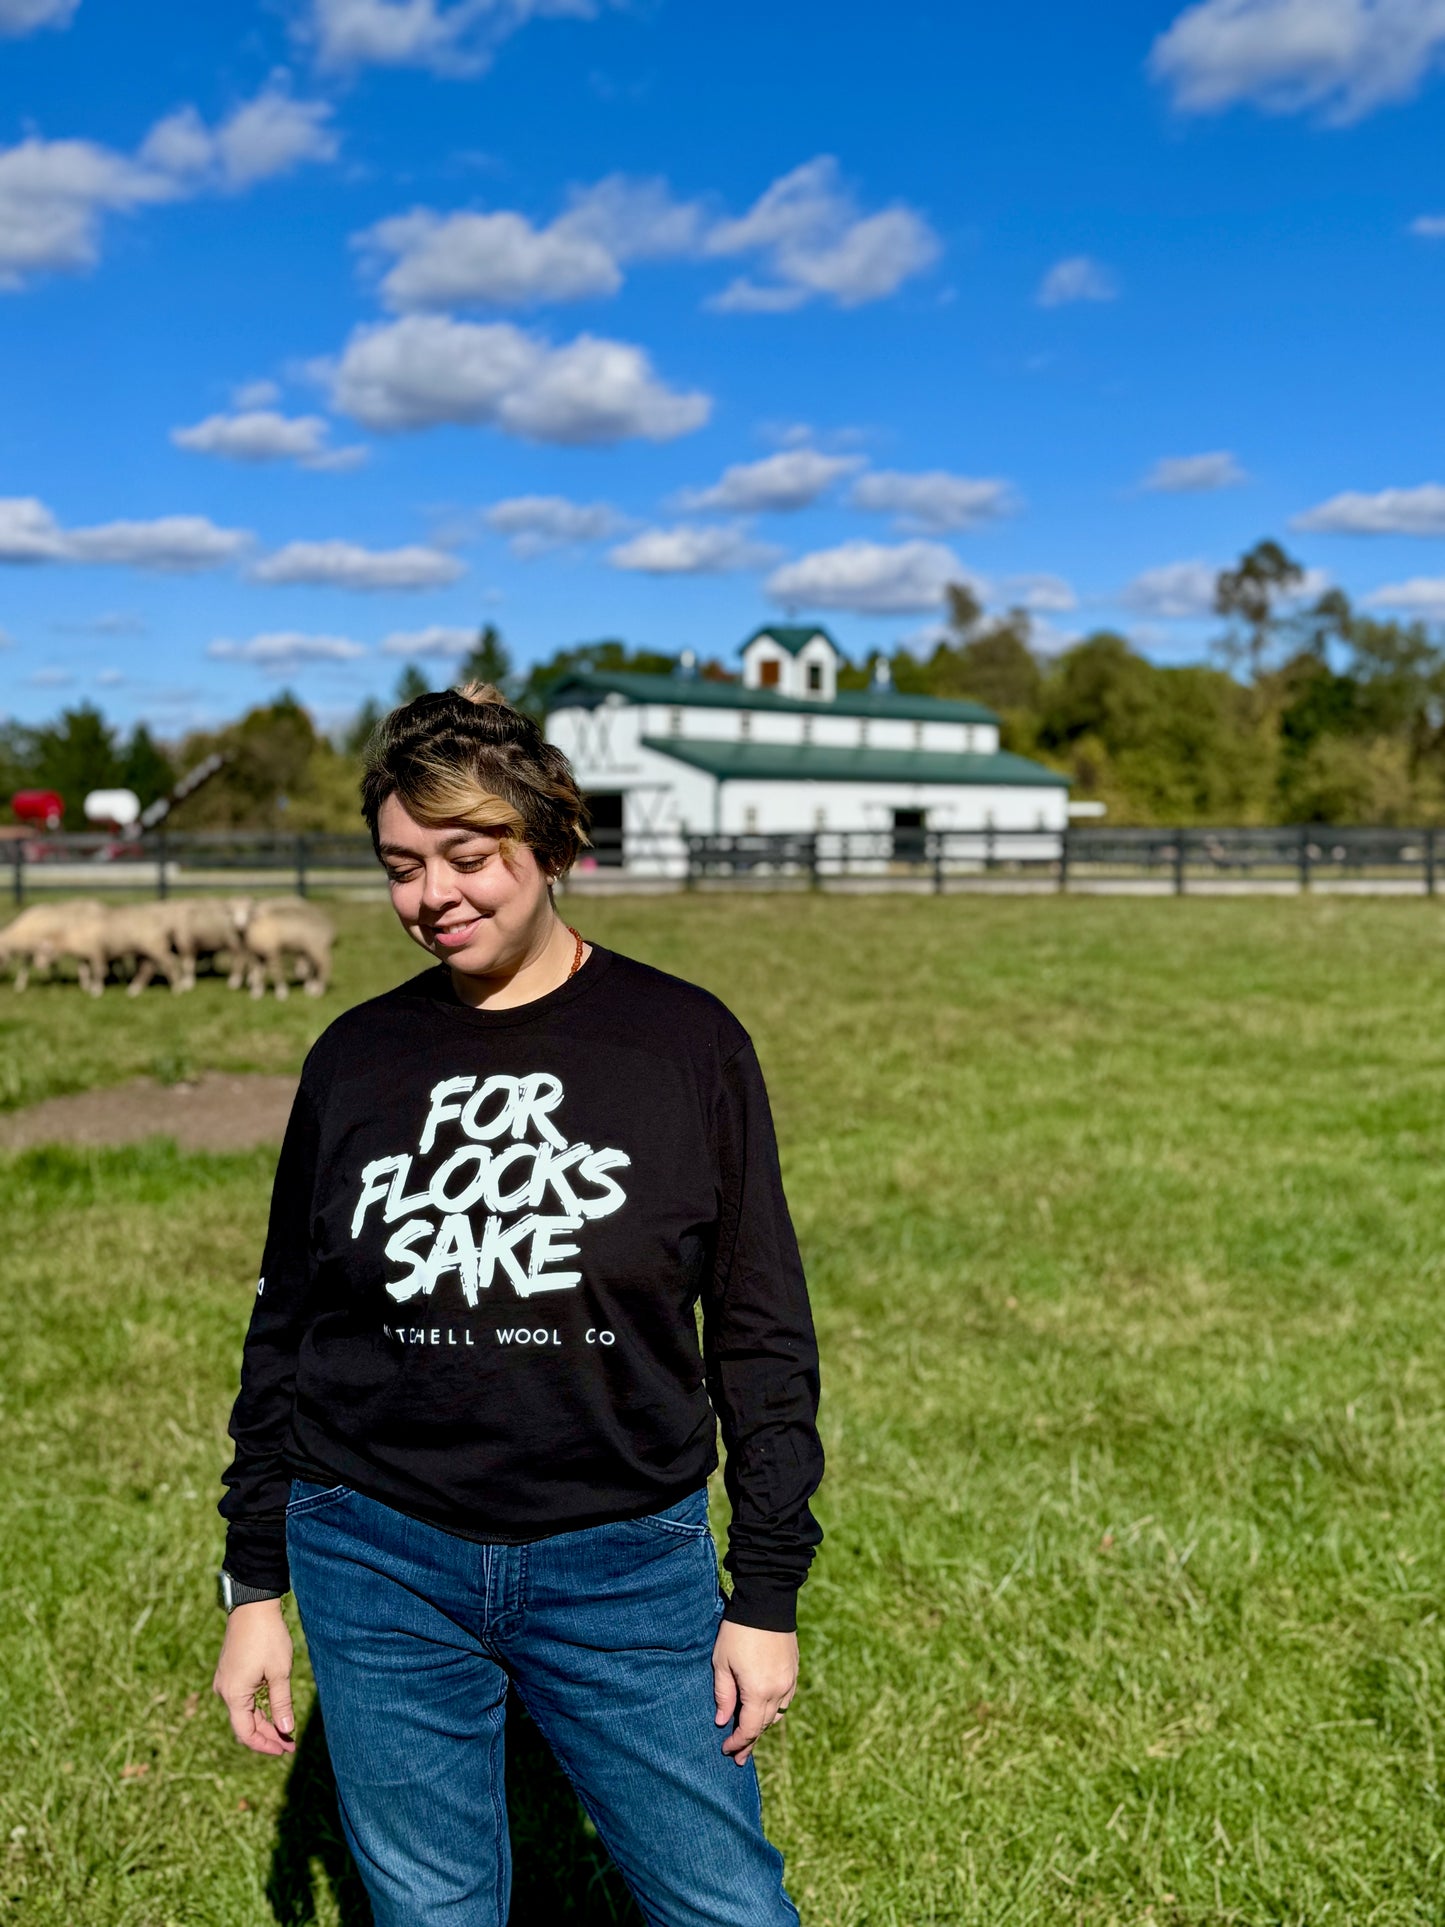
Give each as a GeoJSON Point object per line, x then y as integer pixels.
{"type": "Point", "coordinates": [458, 899]}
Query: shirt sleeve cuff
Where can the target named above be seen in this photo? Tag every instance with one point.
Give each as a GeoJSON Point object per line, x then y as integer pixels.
{"type": "Point", "coordinates": [256, 1556]}
{"type": "Point", "coordinates": [763, 1604]}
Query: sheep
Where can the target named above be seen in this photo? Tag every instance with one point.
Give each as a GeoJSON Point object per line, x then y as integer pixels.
{"type": "Point", "coordinates": [46, 932]}
{"type": "Point", "coordinates": [214, 927]}
{"type": "Point", "coordinates": [142, 931]}
{"type": "Point", "coordinates": [281, 929]}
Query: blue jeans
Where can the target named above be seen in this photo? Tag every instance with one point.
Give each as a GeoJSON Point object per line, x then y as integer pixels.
{"type": "Point", "coordinates": [606, 1634]}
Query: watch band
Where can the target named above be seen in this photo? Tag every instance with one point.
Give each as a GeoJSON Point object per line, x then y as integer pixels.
{"type": "Point", "coordinates": [230, 1593]}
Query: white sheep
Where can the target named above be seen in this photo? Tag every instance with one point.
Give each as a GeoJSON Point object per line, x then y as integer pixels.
{"type": "Point", "coordinates": [283, 930]}
{"type": "Point", "coordinates": [45, 932]}
{"type": "Point", "coordinates": [142, 932]}
{"type": "Point", "coordinates": [210, 927]}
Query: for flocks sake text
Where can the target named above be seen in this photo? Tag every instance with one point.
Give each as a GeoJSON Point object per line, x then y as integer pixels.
{"type": "Point", "coordinates": [506, 1200]}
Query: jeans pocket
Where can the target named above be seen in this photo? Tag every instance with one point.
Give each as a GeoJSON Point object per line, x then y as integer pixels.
{"type": "Point", "coordinates": [687, 1519]}
{"type": "Point", "coordinates": [307, 1497]}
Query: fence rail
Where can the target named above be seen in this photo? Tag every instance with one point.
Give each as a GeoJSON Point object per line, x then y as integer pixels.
{"type": "Point", "coordinates": [1093, 859]}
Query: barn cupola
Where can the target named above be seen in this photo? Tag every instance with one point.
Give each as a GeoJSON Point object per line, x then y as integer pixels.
{"type": "Point", "coordinates": [792, 659]}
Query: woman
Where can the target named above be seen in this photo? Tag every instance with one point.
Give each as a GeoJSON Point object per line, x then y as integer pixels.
{"type": "Point", "coordinates": [475, 1425]}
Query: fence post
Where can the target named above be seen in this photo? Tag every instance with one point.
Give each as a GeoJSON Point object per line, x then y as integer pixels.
{"type": "Point", "coordinates": [17, 858]}
{"type": "Point", "coordinates": [1180, 856]}
{"type": "Point", "coordinates": [162, 883]}
{"type": "Point", "coordinates": [938, 836]}
{"type": "Point", "coordinates": [1064, 860]}
{"type": "Point", "coordinates": [1429, 863]}
{"type": "Point", "coordinates": [815, 881]}
{"type": "Point", "coordinates": [1304, 857]}
{"type": "Point", "coordinates": [301, 866]}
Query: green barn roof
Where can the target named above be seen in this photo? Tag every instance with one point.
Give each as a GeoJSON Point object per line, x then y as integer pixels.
{"type": "Point", "coordinates": [821, 763]}
{"type": "Point", "coordinates": [584, 688]}
{"type": "Point", "coordinates": [793, 636]}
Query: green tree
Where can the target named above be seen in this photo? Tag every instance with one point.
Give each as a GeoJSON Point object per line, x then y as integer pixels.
{"type": "Point", "coordinates": [411, 683]}
{"type": "Point", "coordinates": [609, 654]}
{"type": "Point", "coordinates": [488, 661]}
{"type": "Point", "coordinates": [1249, 594]}
{"type": "Point", "coordinates": [145, 767]}
{"type": "Point", "coordinates": [17, 760]}
{"type": "Point", "coordinates": [279, 773]}
{"type": "Point", "coordinates": [75, 755]}
{"type": "Point", "coordinates": [359, 730]}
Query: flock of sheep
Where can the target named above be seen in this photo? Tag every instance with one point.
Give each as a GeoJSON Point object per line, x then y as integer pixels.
{"type": "Point", "coordinates": [254, 940]}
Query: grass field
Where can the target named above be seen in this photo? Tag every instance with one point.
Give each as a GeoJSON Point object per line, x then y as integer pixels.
{"type": "Point", "coordinates": [1124, 1222]}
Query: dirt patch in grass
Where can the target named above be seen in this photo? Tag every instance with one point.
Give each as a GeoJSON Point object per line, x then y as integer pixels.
{"type": "Point", "coordinates": [214, 1112]}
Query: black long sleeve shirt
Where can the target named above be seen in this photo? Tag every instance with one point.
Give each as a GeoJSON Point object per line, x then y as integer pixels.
{"type": "Point", "coordinates": [489, 1233]}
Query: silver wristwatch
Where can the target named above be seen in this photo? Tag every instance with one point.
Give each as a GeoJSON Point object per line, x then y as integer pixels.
{"type": "Point", "coordinates": [230, 1593]}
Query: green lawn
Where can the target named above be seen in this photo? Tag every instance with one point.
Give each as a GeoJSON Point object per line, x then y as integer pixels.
{"type": "Point", "coordinates": [1124, 1222]}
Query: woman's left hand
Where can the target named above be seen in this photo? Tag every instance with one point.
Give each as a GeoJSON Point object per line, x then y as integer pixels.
{"type": "Point", "coordinates": [754, 1676]}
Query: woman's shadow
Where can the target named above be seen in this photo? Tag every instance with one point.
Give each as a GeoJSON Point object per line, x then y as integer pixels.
{"type": "Point", "coordinates": [560, 1869]}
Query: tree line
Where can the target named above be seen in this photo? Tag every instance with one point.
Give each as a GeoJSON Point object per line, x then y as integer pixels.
{"type": "Point", "coordinates": [1309, 711]}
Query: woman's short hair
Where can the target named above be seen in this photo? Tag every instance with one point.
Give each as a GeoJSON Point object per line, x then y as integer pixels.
{"type": "Point", "coordinates": [467, 756]}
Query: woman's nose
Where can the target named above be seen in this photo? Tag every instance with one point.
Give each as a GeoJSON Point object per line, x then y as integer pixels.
{"type": "Point", "coordinates": [438, 888]}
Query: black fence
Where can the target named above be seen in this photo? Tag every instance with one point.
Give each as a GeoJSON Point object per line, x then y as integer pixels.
{"type": "Point", "coordinates": [1085, 858]}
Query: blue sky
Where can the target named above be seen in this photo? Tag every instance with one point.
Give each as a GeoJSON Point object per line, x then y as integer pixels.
{"type": "Point", "coordinates": [333, 328]}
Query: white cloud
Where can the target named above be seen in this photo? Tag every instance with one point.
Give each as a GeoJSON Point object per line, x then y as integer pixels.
{"type": "Point", "coordinates": [933, 501]}
{"type": "Point", "coordinates": [1392, 511]}
{"type": "Point", "coordinates": [255, 394]}
{"type": "Point", "coordinates": [347, 565]}
{"type": "Point", "coordinates": [19, 17]}
{"type": "Point", "coordinates": [261, 435]}
{"type": "Point", "coordinates": [111, 678]}
{"type": "Point", "coordinates": [28, 531]}
{"type": "Point", "coordinates": [635, 218]}
{"type": "Point", "coordinates": [113, 622]}
{"type": "Point", "coordinates": [1078, 278]}
{"type": "Point", "coordinates": [445, 39]}
{"type": "Point", "coordinates": [1173, 592]}
{"type": "Point", "coordinates": [533, 524]}
{"type": "Point", "coordinates": [690, 549]}
{"type": "Point", "coordinates": [55, 194]}
{"type": "Point", "coordinates": [499, 260]}
{"type": "Point", "coordinates": [50, 678]}
{"type": "Point", "coordinates": [1429, 227]}
{"type": "Point", "coordinates": [286, 649]}
{"type": "Point", "coordinates": [426, 369]}
{"type": "Point", "coordinates": [871, 578]}
{"type": "Point", "coordinates": [1194, 474]}
{"type": "Point", "coordinates": [1346, 57]}
{"type": "Point", "coordinates": [269, 135]}
{"type": "Point", "coordinates": [1422, 595]}
{"type": "Point", "coordinates": [171, 544]}
{"type": "Point", "coordinates": [807, 228]}
{"type": "Point", "coordinates": [450, 644]}
{"type": "Point", "coordinates": [790, 480]}
{"type": "Point", "coordinates": [1040, 594]}
{"type": "Point", "coordinates": [815, 242]}
{"type": "Point", "coordinates": [502, 259]}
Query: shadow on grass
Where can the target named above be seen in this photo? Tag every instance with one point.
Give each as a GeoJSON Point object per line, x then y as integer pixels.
{"type": "Point", "coordinates": [560, 1869]}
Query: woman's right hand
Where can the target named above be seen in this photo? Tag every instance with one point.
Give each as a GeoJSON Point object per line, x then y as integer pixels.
{"type": "Point", "coordinates": [256, 1658]}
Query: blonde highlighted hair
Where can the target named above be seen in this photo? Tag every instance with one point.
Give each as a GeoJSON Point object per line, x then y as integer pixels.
{"type": "Point", "coordinates": [466, 756]}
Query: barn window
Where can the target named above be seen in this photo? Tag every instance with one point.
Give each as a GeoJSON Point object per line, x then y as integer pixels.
{"type": "Point", "coordinates": [815, 677]}
{"type": "Point", "coordinates": [750, 818]}
{"type": "Point", "coordinates": [770, 673]}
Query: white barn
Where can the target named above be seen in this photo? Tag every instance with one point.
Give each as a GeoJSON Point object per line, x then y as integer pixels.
{"type": "Point", "coordinates": [785, 750]}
